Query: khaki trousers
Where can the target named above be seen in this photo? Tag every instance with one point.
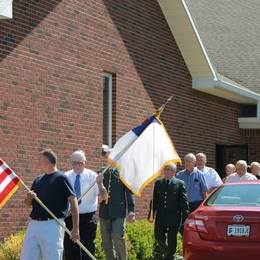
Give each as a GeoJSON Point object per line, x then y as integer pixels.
{"type": "Point", "coordinates": [113, 240]}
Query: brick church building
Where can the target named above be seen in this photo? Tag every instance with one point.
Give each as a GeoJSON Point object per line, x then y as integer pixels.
{"type": "Point", "coordinates": [76, 74]}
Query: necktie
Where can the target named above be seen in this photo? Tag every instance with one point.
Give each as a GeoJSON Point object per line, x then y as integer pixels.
{"type": "Point", "coordinates": [77, 186]}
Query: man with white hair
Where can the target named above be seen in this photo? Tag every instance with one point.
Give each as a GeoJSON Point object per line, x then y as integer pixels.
{"type": "Point", "coordinates": [210, 175]}
{"type": "Point", "coordinates": [241, 173]}
{"type": "Point", "coordinates": [255, 169]}
{"type": "Point", "coordinates": [194, 181]}
{"type": "Point", "coordinates": [170, 208]}
{"type": "Point", "coordinates": [81, 178]}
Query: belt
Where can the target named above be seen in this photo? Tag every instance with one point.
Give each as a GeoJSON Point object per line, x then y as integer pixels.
{"type": "Point", "coordinates": [195, 201]}
{"type": "Point", "coordinates": [42, 219]}
{"type": "Point", "coordinates": [87, 214]}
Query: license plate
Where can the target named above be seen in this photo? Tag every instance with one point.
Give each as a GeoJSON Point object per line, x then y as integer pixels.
{"type": "Point", "coordinates": [238, 230]}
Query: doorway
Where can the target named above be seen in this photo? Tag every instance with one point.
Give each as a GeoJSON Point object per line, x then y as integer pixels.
{"type": "Point", "coordinates": [226, 154]}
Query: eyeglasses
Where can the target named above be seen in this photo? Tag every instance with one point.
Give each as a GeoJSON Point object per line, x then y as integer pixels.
{"type": "Point", "coordinates": [168, 170]}
{"type": "Point", "coordinates": [77, 163]}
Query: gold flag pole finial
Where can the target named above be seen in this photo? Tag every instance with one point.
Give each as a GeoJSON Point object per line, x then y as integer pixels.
{"type": "Point", "coordinates": [160, 110]}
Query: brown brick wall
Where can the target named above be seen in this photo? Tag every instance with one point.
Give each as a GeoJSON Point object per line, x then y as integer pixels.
{"type": "Point", "coordinates": [52, 57]}
{"type": "Point", "coordinates": [252, 138]}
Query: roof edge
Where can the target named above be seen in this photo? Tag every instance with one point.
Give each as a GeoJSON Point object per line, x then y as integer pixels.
{"type": "Point", "coordinates": [203, 48]}
{"type": "Point", "coordinates": [222, 86]}
{"type": "Point", "coordinates": [238, 89]}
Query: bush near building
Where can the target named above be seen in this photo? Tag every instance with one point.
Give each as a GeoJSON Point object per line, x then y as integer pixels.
{"type": "Point", "coordinates": [140, 243]}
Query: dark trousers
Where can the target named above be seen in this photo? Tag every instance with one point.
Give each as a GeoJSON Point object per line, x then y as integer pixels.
{"type": "Point", "coordinates": [192, 206]}
{"type": "Point", "coordinates": [166, 237]}
{"type": "Point", "coordinates": [87, 228]}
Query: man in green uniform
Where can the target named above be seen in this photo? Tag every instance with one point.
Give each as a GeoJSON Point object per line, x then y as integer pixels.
{"type": "Point", "coordinates": [170, 208]}
{"type": "Point", "coordinates": [112, 213]}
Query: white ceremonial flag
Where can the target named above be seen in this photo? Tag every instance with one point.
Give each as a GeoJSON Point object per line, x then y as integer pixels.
{"type": "Point", "coordinates": [141, 154]}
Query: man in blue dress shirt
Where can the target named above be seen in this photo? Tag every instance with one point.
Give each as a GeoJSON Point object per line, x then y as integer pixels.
{"type": "Point", "coordinates": [196, 186]}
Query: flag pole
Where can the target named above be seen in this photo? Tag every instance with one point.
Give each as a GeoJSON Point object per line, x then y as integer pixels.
{"type": "Point", "coordinates": [160, 110]}
{"type": "Point", "coordinates": [58, 221]}
{"type": "Point", "coordinates": [157, 113]}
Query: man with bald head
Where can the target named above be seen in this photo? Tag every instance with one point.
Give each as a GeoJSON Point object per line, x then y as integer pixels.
{"type": "Point", "coordinates": [241, 173]}
{"type": "Point", "coordinates": [210, 175]}
{"type": "Point", "coordinates": [229, 169]}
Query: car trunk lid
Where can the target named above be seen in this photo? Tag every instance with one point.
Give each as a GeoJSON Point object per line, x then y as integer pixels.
{"type": "Point", "coordinates": [236, 224]}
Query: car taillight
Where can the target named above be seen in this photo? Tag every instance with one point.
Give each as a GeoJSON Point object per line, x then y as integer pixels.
{"type": "Point", "coordinates": [195, 225]}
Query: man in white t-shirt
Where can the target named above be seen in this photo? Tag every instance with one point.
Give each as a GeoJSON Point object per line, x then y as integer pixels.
{"type": "Point", "coordinates": [241, 173]}
{"type": "Point", "coordinates": [81, 178]}
{"type": "Point", "coordinates": [211, 177]}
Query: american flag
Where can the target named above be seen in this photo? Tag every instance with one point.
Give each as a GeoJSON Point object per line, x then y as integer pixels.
{"type": "Point", "coordinates": [9, 183]}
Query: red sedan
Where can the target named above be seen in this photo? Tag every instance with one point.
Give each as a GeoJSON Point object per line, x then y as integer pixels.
{"type": "Point", "coordinates": [226, 226]}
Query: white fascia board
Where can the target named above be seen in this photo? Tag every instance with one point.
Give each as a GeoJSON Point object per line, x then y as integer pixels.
{"type": "Point", "coordinates": [203, 84]}
{"type": "Point", "coordinates": [238, 90]}
{"type": "Point", "coordinates": [249, 122]}
{"type": "Point", "coordinates": [6, 9]}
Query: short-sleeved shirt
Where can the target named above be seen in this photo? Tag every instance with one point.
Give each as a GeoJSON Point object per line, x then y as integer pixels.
{"type": "Point", "coordinates": [89, 202]}
{"type": "Point", "coordinates": [234, 177]}
{"type": "Point", "coordinates": [53, 190]}
{"type": "Point", "coordinates": [211, 177]}
{"type": "Point", "coordinates": [195, 184]}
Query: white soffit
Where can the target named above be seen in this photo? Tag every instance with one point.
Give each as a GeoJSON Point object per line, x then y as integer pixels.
{"type": "Point", "coordinates": [249, 122]}
{"type": "Point", "coordinates": [6, 9]}
{"type": "Point", "coordinates": [187, 38]}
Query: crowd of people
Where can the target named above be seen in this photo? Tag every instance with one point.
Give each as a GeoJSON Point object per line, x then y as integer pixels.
{"type": "Point", "coordinates": [175, 195]}
{"type": "Point", "coordinates": [180, 193]}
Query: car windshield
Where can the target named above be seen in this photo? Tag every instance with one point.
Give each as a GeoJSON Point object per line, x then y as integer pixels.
{"type": "Point", "coordinates": [235, 195]}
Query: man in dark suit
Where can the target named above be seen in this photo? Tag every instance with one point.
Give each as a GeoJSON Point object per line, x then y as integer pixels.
{"type": "Point", "coordinates": [170, 208]}
{"type": "Point", "coordinates": [112, 213]}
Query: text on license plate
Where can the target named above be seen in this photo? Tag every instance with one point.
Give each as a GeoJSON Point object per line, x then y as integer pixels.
{"type": "Point", "coordinates": [238, 230]}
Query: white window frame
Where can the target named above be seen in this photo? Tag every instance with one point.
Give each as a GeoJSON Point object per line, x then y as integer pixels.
{"type": "Point", "coordinates": [109, 76]}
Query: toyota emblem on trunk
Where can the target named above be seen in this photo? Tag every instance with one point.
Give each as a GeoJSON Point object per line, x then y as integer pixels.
{"type": "Point", "coordinates": [238, 218]}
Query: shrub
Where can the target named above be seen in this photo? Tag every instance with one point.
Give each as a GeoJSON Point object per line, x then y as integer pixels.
{"type": "Point", "coordinates": [139, 239]}
{"type": "Point", "coordinates": [140, 242]}
{"type": "Point", "coordinates": [11, 247]}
